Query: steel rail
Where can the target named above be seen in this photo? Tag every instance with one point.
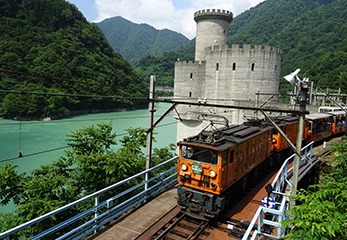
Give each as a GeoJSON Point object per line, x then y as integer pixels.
{"type": "Point", "coordinates": [170, 227]}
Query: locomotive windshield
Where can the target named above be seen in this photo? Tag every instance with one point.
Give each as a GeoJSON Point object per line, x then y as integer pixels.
{"type": "Point", "coordinates": [199, 154]}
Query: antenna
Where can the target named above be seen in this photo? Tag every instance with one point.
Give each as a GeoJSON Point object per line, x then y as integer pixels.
{"type": "Point", "coordinates": [293, 76]}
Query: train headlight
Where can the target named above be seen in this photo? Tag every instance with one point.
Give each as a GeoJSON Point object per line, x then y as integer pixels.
{"type": "Point", "coordinates": [184, 167]}
{"type": "Point", "coordinates": [213, 185]}
{"type": "Point", "coordinates": [213, 173]}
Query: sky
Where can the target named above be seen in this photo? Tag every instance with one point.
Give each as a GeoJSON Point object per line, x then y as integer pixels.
{"type": "Point", "coordinates": [176, 15]}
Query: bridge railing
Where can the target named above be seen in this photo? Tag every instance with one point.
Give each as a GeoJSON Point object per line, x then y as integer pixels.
{"type": "Point", "coordinates": [279, 194]}
{"type": "Point", "coordinates": [103, 212]}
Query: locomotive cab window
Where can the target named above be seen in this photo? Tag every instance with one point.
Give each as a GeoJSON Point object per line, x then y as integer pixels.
{"type": "Point", "coordinates": [231, 157]}
{"type": "Point", "coordinates": [204, 155]}
{"type": "Point", "coordinates": [310, 125]}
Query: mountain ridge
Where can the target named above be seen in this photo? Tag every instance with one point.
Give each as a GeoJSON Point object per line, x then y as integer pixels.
{"type": "Point", "coordinates": [133, 41]}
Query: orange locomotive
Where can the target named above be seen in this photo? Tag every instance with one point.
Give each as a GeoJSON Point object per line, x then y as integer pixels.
{"type": "Point", "coordinates": [289, 125]}
{"type": "Point", "coordinates": [214, 161]}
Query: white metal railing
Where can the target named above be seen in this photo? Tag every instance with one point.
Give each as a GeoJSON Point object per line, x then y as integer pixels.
{"type": "Point", "coordinates": [103, 212]}
{"type": "Point", "coordinates": [279, 192]}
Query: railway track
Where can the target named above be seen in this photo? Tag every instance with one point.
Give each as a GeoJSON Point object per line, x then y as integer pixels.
{"type": "Point", "coordinates": [185, 228]}
{"type": "Point", "coordinates": [175, 225]}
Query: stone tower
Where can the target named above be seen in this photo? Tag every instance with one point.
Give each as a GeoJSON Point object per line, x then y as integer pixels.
{"type": "Point", "coordinates": [212, 27]}
{"type": "Point", "coordinates": [223, 75]}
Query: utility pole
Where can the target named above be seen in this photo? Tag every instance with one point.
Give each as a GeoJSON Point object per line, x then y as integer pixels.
{"type": "Point", "coordinates": [150, 127]}
{"type": "Point", "coordinates": [303, 88]}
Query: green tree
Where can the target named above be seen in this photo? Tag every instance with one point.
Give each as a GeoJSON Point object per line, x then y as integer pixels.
{"type": "Point", "coordinates": [322, 212]}
{"type": "Point", "coordinates": [89, 166]}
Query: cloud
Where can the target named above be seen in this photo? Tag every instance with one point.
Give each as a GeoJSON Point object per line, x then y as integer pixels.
{"type": "Point", "coordinates": [176, 15]}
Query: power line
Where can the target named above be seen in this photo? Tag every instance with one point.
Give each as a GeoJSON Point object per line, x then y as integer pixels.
{"type": "Point", "coordinates": [55, 149]}
{"type": "Point", "coordinates": [72, 95]}
{"type": "Point", "coordinates": [71, 145]}
{"type": "Point", "coordinates": [76, 120]}
{"type": "Point", "coordinates": [67, 80]}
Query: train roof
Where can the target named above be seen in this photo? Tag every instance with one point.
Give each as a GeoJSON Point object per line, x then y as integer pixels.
{"type": "Point", "coordinates": [285, 120]}
{"type": "Point", "coordinates": [336, 113]}
{"type": "Point", "coordinates": [315, 116]}
{"type": "Point", "coordinates": [223, 139]}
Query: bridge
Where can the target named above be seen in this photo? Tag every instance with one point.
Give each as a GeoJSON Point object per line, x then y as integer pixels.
{"type": "Point", "coordinates": [164, 175]}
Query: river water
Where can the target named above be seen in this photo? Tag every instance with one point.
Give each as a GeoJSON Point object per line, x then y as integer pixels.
{"type": "Point", "coordinates": [41, 137]}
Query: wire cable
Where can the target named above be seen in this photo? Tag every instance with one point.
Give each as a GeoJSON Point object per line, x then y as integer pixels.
{"type": "Point", "coordinates": [72, 95]}
{"type": "Point", "coordinates": [71, 145]}
{"type": "Point", "coordinates": [75, 120]}
{"type": "Point", "coordinates": [67, 80]}
{"type": "Point", "coordinates": [55, 149]}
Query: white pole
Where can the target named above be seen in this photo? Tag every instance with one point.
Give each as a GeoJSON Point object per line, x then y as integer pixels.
{"type": "Point", "coordinates": [304, 90]}
{"type": "Point", "coordinates": [150, 125]}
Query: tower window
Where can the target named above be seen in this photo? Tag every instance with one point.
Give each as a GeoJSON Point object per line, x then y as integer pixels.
{"type": "Point", "coordinates": [217, 66]}
{"type": "Point", "coordinates": [275, 68]}
{"type": "Point", "coordinates": [252, 69]}
{"type": "Point", "coordinates": [234, 66]}
{"type": "Point", "coordinates": [190, 94]}
{"type": "Point", "coordinates": [191, 75]}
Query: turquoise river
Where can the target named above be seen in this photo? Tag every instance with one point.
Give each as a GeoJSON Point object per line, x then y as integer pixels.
{"type": "Point", "coordinates": [41, 137]}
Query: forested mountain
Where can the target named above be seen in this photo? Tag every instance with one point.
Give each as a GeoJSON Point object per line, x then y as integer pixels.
{"type": "Point", "coordinates": [305, 30]}
{"type": "Point", "coordinates": [133, 41]}
{"type": "Point", "coordinates": [311, 34]}
{"type": "Point", "coordinates": [52, 38]}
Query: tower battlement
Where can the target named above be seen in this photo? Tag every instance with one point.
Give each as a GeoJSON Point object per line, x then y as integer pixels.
{"type": "Point", "coordinates": [213, 14]}
{"type": "Point", "coordinates": [235, 48]}
{"type": "Point", "coordinates": [190, 63]}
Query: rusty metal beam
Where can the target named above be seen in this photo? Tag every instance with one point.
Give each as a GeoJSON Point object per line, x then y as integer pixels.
{"type": "Point", "coordinates": [230, 106]}
{"type": "Point", "coordinates": [279, 130]}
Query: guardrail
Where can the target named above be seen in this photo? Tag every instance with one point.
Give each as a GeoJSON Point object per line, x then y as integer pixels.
{"type": "Point", "coordinates": [102, 212]}
{"type": "Point", "coordinates": [279, 192]}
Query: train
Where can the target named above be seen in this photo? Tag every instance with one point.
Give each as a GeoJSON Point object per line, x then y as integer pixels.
{"type": "Point", "coordinates": [215, 164]}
